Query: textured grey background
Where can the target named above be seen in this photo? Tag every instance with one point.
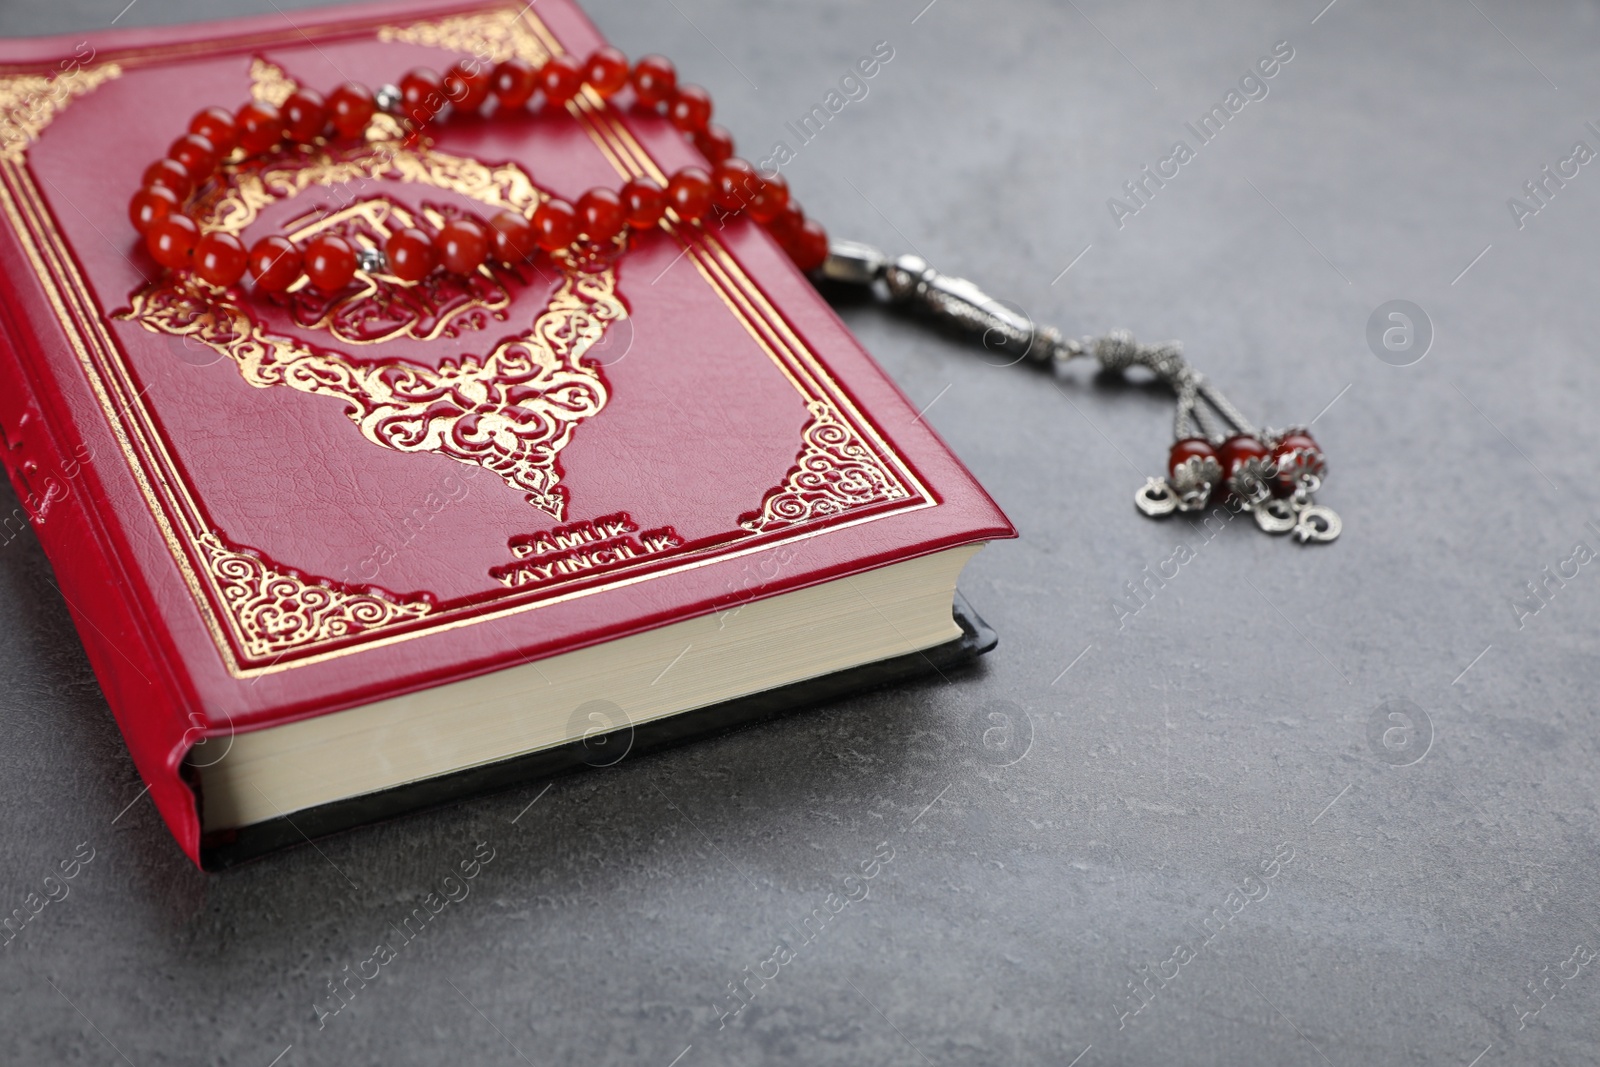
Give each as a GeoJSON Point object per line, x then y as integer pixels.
{"type": "Point", "coordinates": [1178, 753]}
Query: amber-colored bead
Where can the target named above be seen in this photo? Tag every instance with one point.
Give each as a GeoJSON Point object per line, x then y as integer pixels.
{"type": "Point", "coordinates": [275, 263]}
{"type": "Point", "coordinates": [555, 225]}
{"type": "Point", "coordinates": [170, 174]}
{"type": "Point", "coordinates": [218, 127]}
{"type": "Point", "coordinates": [690, 109]}
{"type": "Point", "coordinates": [689, 194]}
{"type": "Point", "coordinates": [171, 240]}
{"type": "Point", "coordinates": [654, 80]}
{"type": "Point", "coordinates": [467, 85]}
{"type": "Point", "coordinates": [350, 109]}
{"type": "Point", "coordinates": [150, 205]}
{"type": "Point", "coordinates": [514, 82]}
{"type": "Point", "coordinates": [601, 214]}
{"type": "Point", "coordinates": [421, 94]}
{"type": "Point", "coordinates": [561, 78]}
{"type": "Point", "coordinates": [644, 202]}
{"type": "Point", "coordinates": [220, 258]}
{"type": "Point", "coordinates": [714, 142]}
{"type": "Point", "coordinates": [198, 155]}
{"type": "Point", "coordinates": [260, 127]}
{"type": "Point", "coordinates": [513, 238]}
{"type": "Point", "coordinates": [305, 116]}
{"type": "Point", "coordinates": [330, 262]}
{"type": "Point", "coordinates": [411, 255]}
{"type": "Point", "coordinates": [808, 247]}
{"type": "Point", "coordinates": [461, 245]}
{"type": "Point", "coordinates": [606, 70]}
{"type": "Point", "coordinates": [734, 183]}
{"type": "Point", "coordinates": [769, 198]}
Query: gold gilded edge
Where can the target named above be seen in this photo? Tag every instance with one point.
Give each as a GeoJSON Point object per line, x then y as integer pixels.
{"type": "Point", "coordinates": [629, 158]}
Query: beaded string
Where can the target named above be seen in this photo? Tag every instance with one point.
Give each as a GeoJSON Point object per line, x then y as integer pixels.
{"type": "Point", "coordinates": [1273, 474]}
{"type": "Point", "coordinates": [596, 224]}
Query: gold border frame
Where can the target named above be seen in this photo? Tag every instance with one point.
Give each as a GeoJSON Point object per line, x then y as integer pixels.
{"type": "Point", "coordinates": [137, 435]}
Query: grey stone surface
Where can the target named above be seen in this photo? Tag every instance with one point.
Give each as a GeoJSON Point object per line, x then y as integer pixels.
{"type": "Point", "coordinates": [1222, 725]}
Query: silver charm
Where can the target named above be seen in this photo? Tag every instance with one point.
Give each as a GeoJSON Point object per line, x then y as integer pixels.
{"type": "Point", "coordinates": [1156, 498]}
{"type": "Point", "coordinates": [1274, 479]}
{"type": "Point", "coordinates": [1317, 523]}
{"type": "Point", "coordinates": [1275, 516]}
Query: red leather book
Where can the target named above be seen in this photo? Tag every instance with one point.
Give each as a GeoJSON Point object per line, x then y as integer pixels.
{"type": "Point", "coordinates": [253, 519]}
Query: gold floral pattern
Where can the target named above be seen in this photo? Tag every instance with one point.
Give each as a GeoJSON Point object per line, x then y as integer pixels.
{"type": "Point", "coordinates": [270, 83]}
{"type": "Point", "coordinates": [511, 412]}
{"type": "Point", "coordinates": [29, 102]}
{"type": "Point", "coordinates": [237, 201]}
{"type": "Point", "coordinates": [835, 472]}
{"type": "Point", "coordinates": [278, 610]}
{"type": "Point", "coordinates": [491, 36]}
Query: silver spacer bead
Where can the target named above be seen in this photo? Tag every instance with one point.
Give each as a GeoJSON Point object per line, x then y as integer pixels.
{"type": "Point", "coordinates": [1069, 348]}
{"type": "Point", "coordinates": [388, 99]}
{"type": "Point", "coordinates": [1046, 344]}
{"type": "Point", "coordinates": [372, 260]}
{"type": "Point", "coordinates": [907, 276]}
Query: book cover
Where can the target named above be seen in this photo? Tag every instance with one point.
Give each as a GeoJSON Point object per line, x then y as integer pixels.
{"type": "Point", "coordinates": [261, 511]}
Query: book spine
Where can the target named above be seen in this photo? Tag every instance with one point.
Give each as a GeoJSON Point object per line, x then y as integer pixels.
{"type": "Point", "coordinates": [53, 471]}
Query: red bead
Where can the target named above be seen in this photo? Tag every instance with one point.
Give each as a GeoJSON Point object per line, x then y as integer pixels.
{"type": "Point", "coordinates": [305, 116]}
{"type": "Point", "coordinates": [809, 245]}
{"type": "Point", "coordinates": [654, 80]}
{"type": "Point", "coordinates": [150, 205]}
{"type": "Point", "coordinates": [513, 238]}
{"type": "Point", "coordinates": [606, 71]}
{"type": "Point", "coordinates": [275, 263]}
{"type": "Point", "coordinates": [1193, 471]}
{"type": "Point", "coordinates": [690, 109]}
{"type": "Point", "coordinates": [644, 202]}
{"type": "Point", "coordinates": [1187, 449]}
{"type": "Point", "coordinates": [787, 223]}
{"type": "Point", "coordinates": [735, 183]}
{"type": "Point", "coordinates": [171, 240]}
{"type": "Point", "coordinates": [689, 194]}
{"type": "Point", "coordinates": [714, 142]}
{"type": "Point", "coordinates": [1243, 460]}
{"type": "Point", "coordinates": [769, 199]}
{"type": "Point", "coordinates": [330, 262]}
{"type": "Point", "coordinates": [1296, 457]}
{"type": "Point", "coordinates": [198, 155]}
{"type": "Point", "coordinates": [170, 174]}
{"type": "Point", "coordinates": [467, 85]}
{"type": "Point", "coordinates": [514, 82]}
{"type": "Point", "coordinates": [411, 255]}
{"type": "Point", "coordinates": [218, 127]}
{"type": "Point", "coordinates": [462, 245]}
{"type": "Point", "coordinates": [561, 78]}
{"type": "Point", "coordinates": [260, 127]}
{"type": "Point", "coordinates": [601, 214]}
{"type": "Point", "coordinates": [421, 95]}
{"type": "Point", "coordinates": [220, 258]}
{"type": "Point", "coordinates": [555, 225]}
{"type": "Point", "coordinates": [350, 108]}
